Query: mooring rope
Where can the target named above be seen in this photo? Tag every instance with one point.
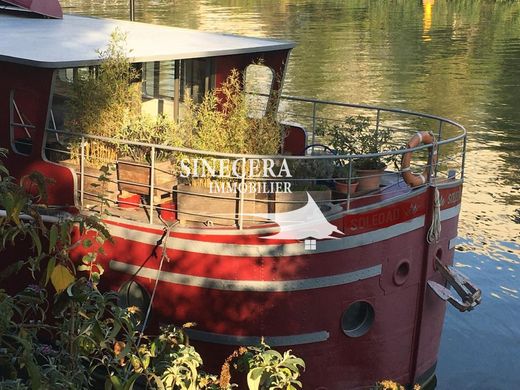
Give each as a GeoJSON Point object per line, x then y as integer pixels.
{"type": "Point", "coordinates": [434, 232]}
{"type": "Point", "coordinates": [164, 256]}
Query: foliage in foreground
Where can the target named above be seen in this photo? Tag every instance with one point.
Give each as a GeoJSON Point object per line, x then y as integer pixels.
{"type": "Point", "coordinates": [87, 340]}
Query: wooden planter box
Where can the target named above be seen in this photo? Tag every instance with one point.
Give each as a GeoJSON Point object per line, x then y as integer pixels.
{"type": "Point", "coordinates": [135, 178]}
{"type": "Point", "coordinates": [94, 189]}
{"type": "Point", "coordinates": [284, 201]}
{"type": "Point", "coordinates": [196, 204]}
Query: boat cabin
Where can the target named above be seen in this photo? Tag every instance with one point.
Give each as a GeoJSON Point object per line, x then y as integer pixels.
{"type": "Point", "coordinates": [40, 59]}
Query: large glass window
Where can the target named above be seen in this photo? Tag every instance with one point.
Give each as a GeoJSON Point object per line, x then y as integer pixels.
{"type": "Point", "coordinates": [167, 84]}
{"type": "Point", "coordinates": [258, 84]}
{"type": "Point", "coordinates": [195, 79]}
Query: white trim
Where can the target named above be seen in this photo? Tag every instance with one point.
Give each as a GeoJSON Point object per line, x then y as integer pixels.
{"type": "Point", "coordinates": [248, 285]}
{"type": "Point", "coordinates": [269, 250]}
{"type": "Point", "coordinates": [273, 341]}
{"type": "Point", "coordinates": [450, 213]}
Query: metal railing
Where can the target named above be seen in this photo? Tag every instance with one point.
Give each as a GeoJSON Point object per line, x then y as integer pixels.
{"type": "Point", "coordinates": [223, 199]}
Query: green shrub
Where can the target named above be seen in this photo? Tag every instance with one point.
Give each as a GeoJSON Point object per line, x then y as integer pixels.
{"type": "Point", "coordinates": [95, 342]}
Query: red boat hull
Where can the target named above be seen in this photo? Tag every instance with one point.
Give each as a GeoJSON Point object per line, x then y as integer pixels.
{"type": "Point", "coordinates": [237, 288]}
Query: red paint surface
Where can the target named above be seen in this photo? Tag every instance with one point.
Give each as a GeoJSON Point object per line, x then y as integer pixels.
{"type": "Point", "coordinates": [393, 348]}
{"type": "Point", "coordinates": [32, 88]}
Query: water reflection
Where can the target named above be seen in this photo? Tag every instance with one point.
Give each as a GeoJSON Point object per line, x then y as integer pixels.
{"type": "Point", "coordinates": [454, 58]}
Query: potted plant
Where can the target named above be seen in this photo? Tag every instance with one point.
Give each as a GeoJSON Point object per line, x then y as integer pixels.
{"type": "Point", "coordinates": [354, 136]}
{"type": "Point", "coordinates": [221, 123]}
{"type": "Point", "coordinates": [312, 176]}
{"type": "Point", "coordinates": [134, 162]}
{"type": "Point", "coordinates": [345, 180]}
{"type": "Point", "coordinates": [102, 102]}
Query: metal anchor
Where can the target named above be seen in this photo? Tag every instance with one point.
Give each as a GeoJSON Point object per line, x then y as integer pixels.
{"type": "Point", "coordinates": [470, 296]}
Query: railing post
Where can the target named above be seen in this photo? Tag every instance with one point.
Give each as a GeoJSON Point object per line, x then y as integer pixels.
{"type": "Point", "coordinates": [313, 125]}
{"type": "Point", "coordinates": [82, 172]}
{"type": "Point", "coordinates": [463, 157]}
{"type": "Point", "coordinates": [241, 195]}
{"type": "Point", "coordinates": [132, 10]}
{"type": "Point", "coordinates": [378, 118]}
{"type": "Point", "coordinates": [349, 181]}
{"type": "Point", "coordinates": [439, 138]}
{"type": "Point", "coordinates": [152, 182]}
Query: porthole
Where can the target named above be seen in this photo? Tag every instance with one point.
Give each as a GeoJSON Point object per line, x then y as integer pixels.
{"type": "Point", "coordinates": [401, 272]}
{"type": "Point", "coordinates": [132, 293]}
{"type": "Point", "coordinates": [357, 319]}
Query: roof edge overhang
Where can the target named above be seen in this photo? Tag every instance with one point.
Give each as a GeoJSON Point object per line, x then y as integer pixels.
{"type": "Point", "coordinates": [34, 8]}
{"type": "Point", "coordinates": [133, 60]}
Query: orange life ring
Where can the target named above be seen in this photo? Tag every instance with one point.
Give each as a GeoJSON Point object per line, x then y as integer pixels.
{"type": "Point", "coordinates": [414, 180]}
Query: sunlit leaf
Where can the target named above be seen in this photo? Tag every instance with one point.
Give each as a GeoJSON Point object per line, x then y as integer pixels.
{"type": "Point", "coordinates": [61, 278]}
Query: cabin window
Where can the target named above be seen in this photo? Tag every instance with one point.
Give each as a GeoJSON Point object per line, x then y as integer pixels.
{"type": "Point", "coordinates": [21, 127]}
{"type": "Point", "coordinates": [258, 85]}
{"type": "Point", "coordinates": [66, 75]}
{"type": "Point", "coordinates": [158, 88]}
{"type": "Point", "coordinates": [56, 145]}
{"type": "Point", "coordinates": [167, 85]}
{"type": "Point", "coordinates": [197, 77]}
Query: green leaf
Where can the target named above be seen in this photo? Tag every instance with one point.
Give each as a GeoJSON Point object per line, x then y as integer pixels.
{"type": "Point", "coordinates": [37, 242]}
{"type": "Point", "coordinates": [129, 385]}
{"type": "Point", "coordinates": [116, 382]}
{"type": "Point", "coordinates": [157, 380]}
{"type": "Point", "coordinates": [87, 259]}
{"type": "Point", "coordinates": [254, 377]}
{"type": "Point", "coordinates": [115, 330]}
{"type": "Point", "coordinates": [34, 373]}
{"type": "Point", "coordinates": [53, 237]}
{"type": "Point", "coordinates": [50, 269]}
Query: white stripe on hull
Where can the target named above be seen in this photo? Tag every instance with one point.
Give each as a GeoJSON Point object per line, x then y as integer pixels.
{"type": "Point", "coordinates": [269, 250]}
{"type": "Point", "coordinates": [450, 213]}
{"type": "Point", "coordinates": [273, 341]}
{"type": "Point", "coordinates": [248, 285]}
{"type": "Point", "coordinates": [276, 250]}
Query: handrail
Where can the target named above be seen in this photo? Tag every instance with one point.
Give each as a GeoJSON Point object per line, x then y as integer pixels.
{"type": "Point", "coordinates": [251, 156]}
{"type": "Point", "coordinates": [453, 158]}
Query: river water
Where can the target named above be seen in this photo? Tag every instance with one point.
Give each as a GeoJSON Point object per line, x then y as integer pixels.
{"type": "Point", "coordinates": [454, 58]}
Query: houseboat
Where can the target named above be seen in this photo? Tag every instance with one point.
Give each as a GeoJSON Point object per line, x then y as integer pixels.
{"type": "Point", "coordinates": [353, 281]}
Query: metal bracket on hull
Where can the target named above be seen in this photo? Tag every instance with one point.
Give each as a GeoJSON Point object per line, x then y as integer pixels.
{"type": "Point", "coordinates": [470, 295]}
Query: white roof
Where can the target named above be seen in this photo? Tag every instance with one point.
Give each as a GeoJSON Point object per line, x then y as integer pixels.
{"type": "Point", "coordinates": [74, 41]}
